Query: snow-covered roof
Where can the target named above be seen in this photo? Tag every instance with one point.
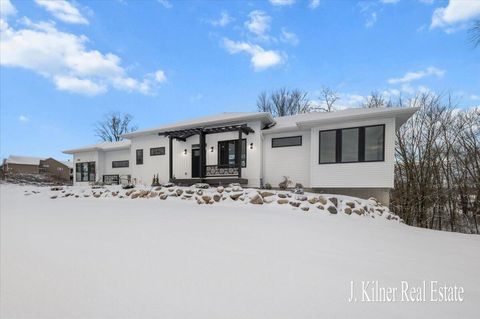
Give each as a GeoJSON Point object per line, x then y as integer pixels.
{"type": "Point", "coordinates": [207, 121]}
{"type": "Point", "coordinates": [307, 120]}
{"type": "Point", "coordinates": [105, 146]}
{"type": "Point", "coordinates": [23, 160]}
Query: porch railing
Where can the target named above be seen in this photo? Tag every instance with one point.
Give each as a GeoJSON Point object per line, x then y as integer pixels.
{"type": "Point", "coordinates": [220, 171]}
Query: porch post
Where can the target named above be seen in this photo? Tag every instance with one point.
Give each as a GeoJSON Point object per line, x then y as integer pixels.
{"type": "Point", "coordinates": [170, 157]}
{"type": "Point", "coordinates": [203, 162]}
{"type": "Point", "coordinates": [238, 154]}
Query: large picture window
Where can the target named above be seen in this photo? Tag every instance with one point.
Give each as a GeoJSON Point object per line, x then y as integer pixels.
{"type": "Point", "coordinates": [155, 151]}
{"type": "Point", "coordinates": [287, 141]}
{"type": "Point", "coordinates": [120, 164]}
{"type": "Point", "coordinates": [227, 153]}
{"type": "Point", "coordinates": [139, 157]}
{"type": "Point", "coordinates": [352, 145]}
{"type": "Point", "coordinates": [85, 172]}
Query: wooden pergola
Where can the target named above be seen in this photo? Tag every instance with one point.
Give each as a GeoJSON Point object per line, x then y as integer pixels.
{"type": "Point", "coordinates": [183, 134]}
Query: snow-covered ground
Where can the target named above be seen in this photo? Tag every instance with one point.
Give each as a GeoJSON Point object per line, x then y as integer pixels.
{"type": "Point", "coordinates": [92, 257]}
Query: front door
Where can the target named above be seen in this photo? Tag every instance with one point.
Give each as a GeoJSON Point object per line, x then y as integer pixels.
{"type": "Point", "coordinates": [195, 162]}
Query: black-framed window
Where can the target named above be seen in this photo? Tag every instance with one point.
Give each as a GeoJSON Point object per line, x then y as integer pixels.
{"type": "Point", "coordinates": [287, 141]}
{"type": "Point", "coordinates": [227, 153]}
{"type": "Point", "coordinates": [155, 151]}
{"type": "Point", "coordinates": [85, 172]}
{"type": "Point", "coordinates": [139, 157]}
{"type": "Point", "coordinates": [120, 164]}
{"type": "Point", "coordinates": [352, 145]}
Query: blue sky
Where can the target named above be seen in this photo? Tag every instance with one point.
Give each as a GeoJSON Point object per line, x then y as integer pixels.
{"type": "Point", "coordinates": [65, 64]}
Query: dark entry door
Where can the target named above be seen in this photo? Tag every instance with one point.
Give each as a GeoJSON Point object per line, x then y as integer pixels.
{"type": "Point", "coordinates": [195, 162]}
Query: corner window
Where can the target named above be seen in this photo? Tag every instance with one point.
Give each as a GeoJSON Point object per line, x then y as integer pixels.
{"type": "Point", "coordinates": [119, 164]}
{"type": "Point", "coordinates": [352, 145]}
{"type": "Point", "coordinates": [139, 157]}
{"type": "Point", "coordinates": [287, 141]}
{"type": "Point", "coordinates": [155, 151]}
{"type": "Point", "coordinates": [227, 153]}
{"type": "Point", "coordinates": [85, 172]}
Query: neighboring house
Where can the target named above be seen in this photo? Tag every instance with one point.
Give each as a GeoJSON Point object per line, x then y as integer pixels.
{"type": "Point", "coordinates": [346, 152]}
{"type": "Point", "coordinates": [38, 165]}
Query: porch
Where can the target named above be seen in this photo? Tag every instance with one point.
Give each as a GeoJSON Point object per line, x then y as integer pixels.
{"type": "Point", "coordinates": [224, 168]}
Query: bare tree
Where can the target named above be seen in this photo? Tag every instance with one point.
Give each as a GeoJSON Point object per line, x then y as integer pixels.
{"type": "Point", "coordinates": [328, 97]}
{"type": "Point", "coordinates": [114, 124]}
{"type": "Point", "coordinates": [283, 102]}
{"type": "Point", "coordinates": [376, 100]}
{"type": "Point", "coordinates": [475, 34]}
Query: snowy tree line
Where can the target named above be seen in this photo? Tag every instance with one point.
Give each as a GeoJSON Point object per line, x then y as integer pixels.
{"type": "Point", "coordinates": [437, 156]}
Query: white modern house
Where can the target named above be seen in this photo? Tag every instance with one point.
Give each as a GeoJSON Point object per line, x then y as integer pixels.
{"type": "Point", "coordinates": [346, 152]}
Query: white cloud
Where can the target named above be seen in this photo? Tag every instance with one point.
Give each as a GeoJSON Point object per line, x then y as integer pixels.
{"type": "Point", "coordinates": [457, 11]}
{"type": "Point", "coordinates": [259, 23]}
{"type": "Point", "coordinates": [314, 4]}
{"type": "Point", "coordinates": [196, 98]}
{"type": "Point", "coordinates": [413, 76]}
{"type": "Point", "coordinates": [474, 97]}
{"type": "Point", "coordinates": [289, 37]}
{"type": "Point", "coordinates": [7, 8]}
{"type": "Point", "coordinates": [167, 4]}
{"type": "Point", "coordinates": [389, 1]}
{"type": "Point", "coordinates": [282, 2]}
{"type": "Point", "coordinates": [64, 59]}
{"type": "Point", "coordinates": [23, 119]}
{"type": "Point", "coordinates": [260, 58]}
{"type": "Point", "coordinates": [160, 76]}
{"type": "Point", "coordinates": [371, 20]}
{"type": "Point", "coordinates": [224, 20]}
{"type": "Point", "coordinates": [63, 10]}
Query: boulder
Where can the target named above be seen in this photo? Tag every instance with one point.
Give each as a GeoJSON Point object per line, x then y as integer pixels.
{"type": "Point", "coordinates": [169, 184]}
{"type": "Point", "coordinates": [350, 204]}
{"type": "Point", "coordinates": [236, 196]}
{"type": "Point", "coordinates": [153, 194]}
{"type": "Point", "coordinates": [389, 217]}
{"type": "Point", "coordinates": [295, 204]}
{"type": "Point", "coordinates": [232, 185]}
{"type": "Point", "coordinates": [163, 196]}
{"type": "Point", "coordinates": [159, 188]}
{"type": "Point", "coordinates": [201, 185]}
{"type": "Point", "coordinates": [189, 191]}
{"type": "Point", "coordinates": [312, 200]}
{"type": "Point", "coordinates": [187, 196]}
{"type": "Point", "coordinates": [228, 189]}
{"type": "Point", "coordinates": [237, 189]}
{"type": "Point", "coordinates": [282, 201]}
{"type": "Point", "coordinates": [320, 206]}
{"type": "Point", "coordinates": [301, 198]}
{"type": "Point", "coordinates": [347, 210]}
{"type": "Point", "coordinates": [220, 189]}
{"type": "Point", "coordinates": [199, 192]}
{"type": "Point", "coordinates": [269, 199]}
{"type": "Point", "coordinates": [322, 200]}
{"type": "Point", "coordinates": [129, 192]}
{"type": "Point", "coordinates": [266, 194]}
{"type": "Point", "coordinates": [206, 198]}
{"type": "Point", "coordinates": [256, 199]}
{"type": "Point", "coordinates": [171, 189]}
{"type": "Point", "coordinates": [199, 201]}
{"type": "Point", "coordinates": [281, 195]}
{"type": "Point", "coordinates": [56, 188]}
{"type": "Point", "coordinates": [358, 211]}
{"type": "Point", "coordinates": [217, 197]}
{"type": "Point", "coordinates": [305, 208]}
{"type": "Point", "coordinates": [53, 197]}
{"type": "Point", "coordinates": [332, 210]}
{"type": "Point", "coordinates": [97, 195]}
{"type": "Point", "coordinates": [334, 201]}
{"type": "Point", "coordinates": [77, 196]}
{"type": "Point", "coordinates": [86, 195]}
{"type": "Point", "coordinates": [179, 191]}
{"type": "Point", "coordinates": [114, 194]}
{"type": "Point", "coordinates": [298, 191]}
{"type": "Point", "coordinates": [172, 194]}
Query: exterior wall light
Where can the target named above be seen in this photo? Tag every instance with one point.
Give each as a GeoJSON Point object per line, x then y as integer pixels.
{"type": "Point", "coordinates": [211, 149]}
{"type": "Point", "coordinates": [251, 146]}
{"type": "Point", "coordinates": [185, 151]}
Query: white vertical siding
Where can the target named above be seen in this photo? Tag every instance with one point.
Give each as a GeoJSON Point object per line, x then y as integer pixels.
{"type": "Point", "coordinates": [351, 175]}
{"type": "Point", "coordinates": [291, 161]}
{"type": "Point", "coordinates": [86, 157]}
{"type": "Point", "coordinates": [120, 155]}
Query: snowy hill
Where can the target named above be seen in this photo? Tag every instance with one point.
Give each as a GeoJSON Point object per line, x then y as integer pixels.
{"type": "Point", "coordinates": [111, 257]}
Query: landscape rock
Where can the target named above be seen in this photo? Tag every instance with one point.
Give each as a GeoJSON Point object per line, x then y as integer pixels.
{"type": "Point", "coordinates": [206, 198]}
{"type": "Point", "coordinates": [257, 199]}
{"type": "Point", "coordinates": [179, 191]}
{"type": "Point", "coordinates": [169, 184]}
{"type": "Point", "coordinates": [347, 210]}
{"type": "Point", "coordinates": [301, 198]}
{"type": "Point", "coordinates": [56, 188]}
{"type": "Point", "coordinates": [159, 188]}
{"type": "Point", "coordinates": [236, 196]}
{"type": "Point", "coordinates": [269, 199]}
{"type": "Point", "coordinates": [217, 197]}
{"type": "Point", "coordinates": [334, 201]}
{"type": "Point", "coordinates": [281, 195]}
{"type": "Point", "coordinates": [199, 192]}
{"type": "Point", "coordinates": [201, 185]}
{"type": "Point", "coordinates": [53, 197]}
{"type": "Point", "coordinates": [228, 189]}
{"type": "Point", "coordinates": [332, 209]}
{"type": "Point", "coordinates": [152, 194]}
{"type": "Point", "coordinates": [189, 191]}
{"type": "Point", "coordinates": [305, 208]}
{"type": "Point", "coordinates": [220, 189]}
{"type": "Point", "coordinates": [321, 207]}
{"type": "Point", "coordinates": [312, 200]}
{"type": "Point", "coordinates": [350, 204]}
{"type": "Point", "coordinates": [295, 204]}
{"type": "Point", "coordinates": [129, 192]}
{"type": "Point", "coordinates": [163, 196]}
{"type": "Point", "coordinates": [282, 201]}
{"type": "Point", "coordinates": [266, 194]}
{"type": "Point", "coordinates": [322, 200]}
{"type": "Point", "coordinates": [358, 211]}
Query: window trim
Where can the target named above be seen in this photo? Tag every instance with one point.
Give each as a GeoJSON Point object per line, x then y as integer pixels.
{"type": "Point", "coordinates": [285, 137]}
{"type": "Point", "coordinates": [235, 140]}
{"type": "Point", "coordinates": [156, 148]}
{"type": "Point", "coordinates": [137, 162]}
{"type": "Point", "coordinates": [361, 145]}
{"type": "Point", "coordinates": [88, 171]}
{"type": "Point", "coordinates": [121, 161]}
